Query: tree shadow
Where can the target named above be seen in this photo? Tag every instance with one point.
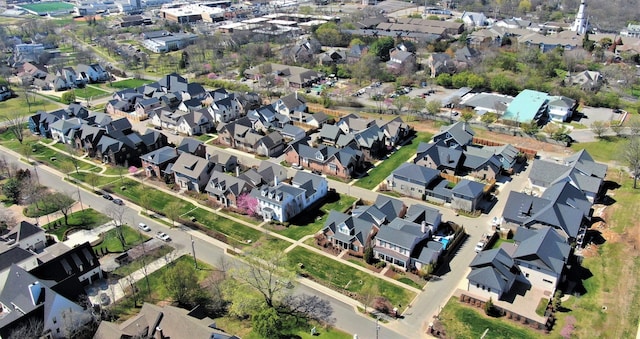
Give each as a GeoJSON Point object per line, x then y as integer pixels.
{"type": "Point", "coordinates": [594, 237]}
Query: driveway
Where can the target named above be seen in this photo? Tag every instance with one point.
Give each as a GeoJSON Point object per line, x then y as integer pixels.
{"type": "Point", "coordinates": [82, 236]}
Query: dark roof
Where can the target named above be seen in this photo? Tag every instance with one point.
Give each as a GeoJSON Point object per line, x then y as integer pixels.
{"type": "Point", "coordinates": [13, 256]}
{"type": "Point", "coordinates": [460, 132]}
{"type": "Point", "coordinates": [493, 269]}
{"type": "Point", "coordinates": [331, 132]}
{"type": "Point", "coordinates": [347, 228]}
{"type": "Point", "coordinates": [24, 230]}
{"type": "Point", "coordinates": [543, 248]}
{"type": "Point", "coordinates": [73, 263]}
{"type": "Point", "coordinates": [418, 213]}
{"type": "Point", "coordinates": [161, 155]}
{"type": "Point", "coordinates": [468, 188]}
{"type": "Point", "coordinates": [401, 232]}
{"type": "Point", "coordinates": [189, 145]}
{"type": "Point", "coordinates": [415, 174]}
{"type": "Point", "coordinates": [442, 156]}
{"type": "Point", "coordinates": [392, 207]}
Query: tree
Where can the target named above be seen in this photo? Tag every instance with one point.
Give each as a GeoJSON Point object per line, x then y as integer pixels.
{"type": "Point", "coordinates": [599, 127]}
{"type": "Point", "coordinates": [145, 202]}
{"type": "Point", "coordinates": [489, 118]}
{"type": "Point", "coordinates": [66, 167]}
{"type": "Point", "coordinates": [63, 203]}
{"type": "Point", "coordinates": [73, 158]}
{"type": "Point", "coordinates": [11, 190]}
{"type": "Point", "coordinates": [7, 220]}
{"type": "Point", "coordinates": [444, 80]}
{"type": "Point", "coordinates": [459, 80]}
{"type": "Point", "coordinates": [68, 97]}
{"type": "Point", "coordinates": [433, 107]}
{"type": "Point", "coordinates": [400, 102]}
{"type": "Point", "coordinates": [488, 307]}
{"type": "Point", "coordinates": [467, 115]}
{"type": "Point", "coordinates": [631, 154]}
{"type": "Point", "coordinates": [15, 124]}
{"type": "Point", "coordinates": [116, 213]}
{"type": "Point", "coordinates": [247, 204]}
{"type": "Point", "coordinates": [530, 127]}
{"type": "Point", "coordinates": [504, 85]}
{"type": "Point", "coordinates": [616, 128]}
{"type": "Point", "coordinates": [31, 328]}
{"type": "Point", "coordinates": [381, 48]}
{"type": "Point", "coordinates": [268, 323]}
{"type": "Point", "coordinates": [309, 307]}
{"type": "Point", "coordinates": [365, 69]}
{"type": "Point", "coordinates": [417, 104]}
{"type": "Point", "coordinates": [267, 272]}
{"type": "Point", "coordinates": [476, 81]}
{"type": "Point", "coordinates": [172, 211]}
{"type": "Point", "coordinates": [93, 179]}
{"type": "Point", "coordinates": [180, 282]}
{"type": "Point", "coordinates": [368, 255]}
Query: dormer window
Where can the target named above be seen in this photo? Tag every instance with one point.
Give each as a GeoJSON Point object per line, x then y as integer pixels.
{"type": "Point", "coordinates": [344, 229]}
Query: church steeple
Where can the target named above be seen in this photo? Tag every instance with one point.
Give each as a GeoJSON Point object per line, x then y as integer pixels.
{"type": "Point", "coordinates": [580, 24]}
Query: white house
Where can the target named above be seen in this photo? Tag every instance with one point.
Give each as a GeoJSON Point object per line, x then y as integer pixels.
{"type": "Point", "coordinates": [63, 129]}
{"type": "Point", "coordinates": [93, 72]}
{"type": "Point", "coordinates": [226, 109]}
{"type": "Point", "coordinates": [474, 19]}
{"type": "Point", "coordinates": [561, 108]}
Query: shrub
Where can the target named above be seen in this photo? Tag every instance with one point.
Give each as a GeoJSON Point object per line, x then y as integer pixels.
{"type": "Point", "coordinates": [68, 97]}
{"type": "Point", "coordinates": [381, 304]}
{"type": "Point", "coordinates": [381, 264]}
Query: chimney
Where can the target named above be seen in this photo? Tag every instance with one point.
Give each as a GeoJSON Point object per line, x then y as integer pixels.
{"type": "Point", "coordinates": [34, 290]}
{"type": "Point", "coordinates": [237, 171]}
{"type": "Point", "coordinates": [275, 180]}
{"type": "Point", "coordinates": [159, 334]}
{"type": "Point", "coordinates": [423, 226]}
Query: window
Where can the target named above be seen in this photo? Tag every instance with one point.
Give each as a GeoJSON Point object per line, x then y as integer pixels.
{"type": "Point", "coordinates": [477, 285]}
{"type": "Point", "coordinates": [526, 275]}
{"type": "Point", "coordinates": [547, 281]}
{"type": "Point", "coordinates": [55, 320]}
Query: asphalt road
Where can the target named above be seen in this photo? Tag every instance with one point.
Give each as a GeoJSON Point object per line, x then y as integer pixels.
{"type": "Point", "coordinates": [346, 318]}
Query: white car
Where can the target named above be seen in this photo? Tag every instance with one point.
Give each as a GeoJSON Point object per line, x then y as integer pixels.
{"type": "Point", "coordinates": [479, 246]}
{"type": "Point", "coordinates": [163, 236]}
{"type": "Point", "coordinates": [144, 227]}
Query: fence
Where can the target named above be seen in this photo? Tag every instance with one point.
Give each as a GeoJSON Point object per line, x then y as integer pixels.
{"type": "Point", "coordinates": [480, 303]}
{"type": "Point", "coordinates": [529, 153]}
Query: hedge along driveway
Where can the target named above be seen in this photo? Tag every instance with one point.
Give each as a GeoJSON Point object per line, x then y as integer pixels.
{"type": "Point", "coordinates": [382, 171]}
{"type": "Point", "coordinates": [335, 274]}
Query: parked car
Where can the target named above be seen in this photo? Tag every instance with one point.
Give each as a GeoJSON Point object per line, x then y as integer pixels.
{"type": "Point", "coordinates": [296, 166]}
{"type": "Point", "coordinates": [144, 227]}
{"type": "Point", "coordinates": [107, 196]}
{"type": "Point", "coordinates": [163, 236]}
{"type": "Point", "coordinates": [479, 246]}
{"type": "Point", "coordinates": [118, 202]}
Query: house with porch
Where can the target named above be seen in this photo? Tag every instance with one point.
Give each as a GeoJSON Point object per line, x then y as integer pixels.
{"type": "Point", "coordinates": [224, 189]}
{"type": "Point", "coordinates": [154, 163]}
{"type": "Point", "coordinates": [340, 162]}
{"type": "Point", "coordinates": [396, 241]}
{"type": "Point", "coordinates": [64, 130]}
{"type": "Point", "coordinates": [191, 172]}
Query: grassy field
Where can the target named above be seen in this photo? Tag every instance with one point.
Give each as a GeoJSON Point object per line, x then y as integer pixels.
{"type": "Point", "coordinates": [159, 199]}
{"type": "Point", "coordinates": [380, 172]}
{"type": "Point", "coordinates": [237, 232]}
{"type": "Point", "coordinates": [462, 321]}
{"type": "Point", "coordinates": [311, 222]}
{"type": "Point", "coordinates": [44, 7]}
{"type": "Point", "coordinates": [346, 277]}
{"type": "Point", "coordinates": [129, 83]}
{"type": "Point", "coordinates": [9, 108]}
{"type": "Point", "coordinates": [87, 219]}
{"type": "Point", "coordinates": [90, 92]}
{"type": "Point", "coordinates": [131, 237]}
{"type": "Point", "coordinates": [606, 150]}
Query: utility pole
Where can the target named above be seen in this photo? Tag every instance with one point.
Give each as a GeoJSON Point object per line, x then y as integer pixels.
{"type": "Point", "coordinates": [193, 251]}
{"type": "Point", "coordinates": [377, 327]}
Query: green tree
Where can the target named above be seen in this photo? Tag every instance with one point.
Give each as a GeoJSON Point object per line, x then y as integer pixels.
{"type": "Point", "coordinates": [68, 97]}
{"type": "Point", "coordinates": [524, 6]}
{"type": "Point", "coordinates": [172, 211]}
{"type": "Point", "coordinates": [467, 115]}
{"type": "Point", "coordinates": [11, 189]}
{"type": "Point", "coordinates": [62, 203]}
{"type": "Point", "coordinates": [268, 323]}
{"type": "Point", "coordinates": [504, 85]}
{"type": "Point", "coordinates": [417, 104]}
{"type": "Point", "coordinates": [489, 118]}
{"type": "Point", "coordinates": [356, 41]}
{"type": "Point", "coordinates": [329, 34]}
{"type": "Point", "coordinates": [631, 154]}
{"type": "Point", "coordinates": [444, 80]}
{"type": "Point", "coordinates": [488, 307]}
{"type": "Point", "coordinates": [368, 255]}
{"type": "Point", "coordinates": [433, 107]}
{"type": "Point", "coordinates": [459, 80]}
{"type": "Point", "coordinates": [180, 282]}
{"type": "Point", "coordinates": [381, 48]}
{"type": "Point", "coordinates": [365, 69]}
{"type": "Point", "coordinates": [530, 127]}
{"type": "Point", "coordinates": [476, 81]}
{"type": "Point", "coordinates": [93, 179]}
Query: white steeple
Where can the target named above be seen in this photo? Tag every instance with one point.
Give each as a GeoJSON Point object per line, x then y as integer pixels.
{"type": "Point", "coordinates": [580, 24]}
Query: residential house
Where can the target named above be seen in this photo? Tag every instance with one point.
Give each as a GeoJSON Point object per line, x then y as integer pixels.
{"type": "Point", "coordinates": [225, 189]}
{"type": "Point", "coordinates": [332, 57]}
{"type": "Point", "coordinates": [281, 201]}
{"type": "Point", "coordinates": [39, 123]}
{"type": "Point", "coordinates": [94, 73]}
{"type": "Point", "coordinates": [396, 241]}
{"type": "Point", "coordinates": [78, 266]}
{"type": "Point", "coordinates": [70, 77]}
{"type": "Point", "coordinates": [578, 169]}
{"type": "Point", "coordinates": [328, 160]}
{"type": "Point", "coordinates": [190, 104]}
{"type": "Point", "coordinates": [154, 163]}
{"type": "Point", "coordinates": [289, 104]}
{"type": "Point", "coordinates": [240, 135]}
{"type": "Point", "coordinates": [87, 137]}
{"type": "Point", "coordinates": [163, 322]}
{"type": "Point", "coordinates": [481, 163]}
{"type": "Point", "coordinates": [356, 52]}
{"type": "Point", "coordinates": [166, 118]}
{"type": "Point", "coordinates": [153, 140]}
{"type": "Point", "coordinates": [372, 143]}
{"type": "Point", "coordinates": [440, 63]}
{"type": "Point", "coordinates": [25, 298]}
{"type": "Point", "coordinates": [195, 122]}
{"type": "Point", "coordinates": [395, 131]}
{"type": "Point", "coordinates": [465, 57]}
{"type": "Point", "coordinates": [586, 80]}
{"type": "Point", "coordinates": [11, 254]}
{"type": "Point", "coordinates": [192, 146]}
{"type": "Point", "coordinates": [26, 236]}
{"type": "Point", "coordinates": [329, 134]}
{"type": "Point", "coordinates": [271, 145]}
{"type": "Point", "coordinates": [507, 154]}
{"type": "Point", "coordinates": [401, 61]}
{"type": "Point", "coordinates": [412, 180]}
{"type": "Point", "coordinates": [223, 162]}
{"type": "Point", "coordinates": [226, 109]}
{"type": "Point", "coordinates": [437, 156]}
{"type": "Point", "coordinates": [466, 195]}
{"type": "Point", "coordinates": [191, 172]}
{"type": "Point", "coordinates": [113, 151]}
{"type": "Point", "coordinates": [352, 123]}
{"type": "Point", "coordinates": [293, 133]}
{"type": "Point", "coordinates": [64, 130]}
{"type": "Point", "coordinates": [143, 107]}
{"type": "Point", "coordinates": [291, 76]}
{"type": "Point", "coordinates": [493, 274]}
{"type": "Point", "coordinates": [348, 232]}
{"type": "Point", "coordinates": [561, 108]}
{"type": "Point", "coordinates": [458, 134]}
{"type": "Point", "coordinates": [304, 51]}
{"type": "Point", "coordinates": [474, 19]}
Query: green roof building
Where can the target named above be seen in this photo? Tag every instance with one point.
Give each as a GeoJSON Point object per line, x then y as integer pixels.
{"type": "Point", "coordinates": [528, 105]}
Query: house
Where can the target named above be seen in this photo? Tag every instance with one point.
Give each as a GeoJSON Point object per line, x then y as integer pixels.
{"type": "Point", "coordinates": [271, 145]}
{"type": "Point", "coordinates": [162, 322]}
{"type": "Point", "coordinates": [412, 180]}
{"type": "Point", "coordinates": [395, 131]}
{"type": "Point", "coordinates": [332, 57]}
{"type": "Point", "coordinates": [291, 76]}
{"type": "Point", "coordinates": [27, 236]}
{"type": "Point", "coordinates": [225, 189]}
{"type": "Point", "coordinates": [458, 134]}
{"type": "Point", "coordinates": [352, 123]}
{"type": "Point", "coordinates": [87, 137]}
{"type": "Point", "coordinates": [328, 160]}
{"type": "Point", "coordinates": [481, 163]}
{"type": "Point", "coordinates": [329, 134]}
{"type": "Point", "coordinates": [39, 123]}
{"type": "Point", "coordinates": [466, 195]}
{"type": "Point", "coordinates": [25, 298]}
{"type": "Point", "coordinates": [11, 254]}
{"type": "Point", "coordinates": [281, 201]}
{"type": "Point", "coordinates": [507, 154]}
{"type": "Point", "coordinates": [579, 169]}
{"type": "Point", "coordinates": [78, 264]}
{"type": "Point", "coordinates": [356, 52]}
{"type": "Point", "coordinates": [288, 104]}
{"type": "Point", "coordinates": [113, 151]}
{"type": "Point", "coordinates": [293, 133]}
{"type": "Point", "coordinates": [372, 143]}
{"type": "Point", "coordinates": [70, 77]}
{"type": "Point", "coordinates": [195, 122]}
{"type": "Point", "coordinates": [586, 80]}
{"type": "Point", "coordinates": [483, 103]}
{"type": "Point", "coordinates": [223, 162]}
{"type": "Point", "coordinates": [154, 163]}
{"type": "Point", "coordinates": [437, 156]}
{"type": "Point", "coordinates": [348, 232]}
{"type": "Point", "coordinates": [64, 130]}
{"type": "Point", "coordinates": [93, 73]}
{"type": "Point", "coordinates": [226, 109]}
{"type": "Point", "coordinates": [561, 108]}
{"type": "Point", "coordinates": [401, 61]}
{"type": "Point", "coordinates": [191, 172]}
{"type": "Point", "coordinates": [192, 146]}
{"type": "Point", "coordinates": [396, 242]}
{"type": "Point", "coordinates": [153, 140]}
{"type": "Point", "coordinates": [493, 273]}
{"type": "Point", "coordinates": [440, 63]}
{"type": "Point", "coordinates": [144, 106]}
{"type": "Point", "coordinates": [474, 19]}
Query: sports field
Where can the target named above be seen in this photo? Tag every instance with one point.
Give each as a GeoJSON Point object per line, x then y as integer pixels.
{"type": "Point", "coordinates": [43, 8]}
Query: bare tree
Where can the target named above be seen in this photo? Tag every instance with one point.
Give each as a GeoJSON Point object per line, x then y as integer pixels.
{"type": "Point", "coordinates": [308, 307]}
{"type": "Point", "coordinates": [15, 124]}
{"type": "Point", "coordinates": [4, 166]}
{"type": "Point", "coordinates": [116, 213]}
{"type": "Point", "coordinates": [616, 128]}
{"type": "Point", "coordinates": [62, 202]}
{"type": "Point", "coordinates": [172, 211]}
{"type": "Point", "coordinates": [598, 127]}
{"type": "Point", "coordinates": [73, 158]}
{"type": "Point", "coordinates": [7, 220]}
{"type": "Point", "coordinates": [30, 329]}
{"type": "Point", "coordinates": [93, 179]}
{"type": "Point", "coordinates": [144, 263]}
{"type": "Point", "coordinates": [631, 154]}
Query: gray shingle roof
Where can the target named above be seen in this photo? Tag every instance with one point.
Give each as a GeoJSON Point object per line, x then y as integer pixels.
{"type": "Point", "coordinates": [544, 248]}
{"type": "Point", "coordinates": [415, 174]}
{"type": "Point", "coordinates": [493, 268]}
{"type": "Point", "coordinates": [418, 213]}
{"type": "Point", "coordinates": [190, 165]}
{"type": "Point", "coordinates": [468, 188]}
{"type": "Point", "coordinates": [161, 155]}
{"type": "Point", "coordinates": [444, 157]}
{"type": "Point", "coordinates": [357, 228]}
{"type": "Point", "coordinates": [330, 132]}
{"type": "Point", "coordinates": [392, 207]}
{"type": "Point", "coordinates": [460, 132]}
{"type": "Point", "coordinates": [401, 232]}
{"type": "Point", "coordinates": [221, 183]}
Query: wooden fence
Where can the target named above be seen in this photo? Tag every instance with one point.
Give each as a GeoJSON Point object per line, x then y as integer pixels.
{"type": "Point", "coordinates": [529, 153]}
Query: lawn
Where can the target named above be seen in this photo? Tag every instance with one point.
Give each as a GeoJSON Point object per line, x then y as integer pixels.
{"type": "Point", "coordinates": [461, 321]}
{"type": "Point", "coordinates": [159, 199]}
{"type": "Point", "coordinates": [101, 180]}
{"type": "Point", "coordinates": [151, 256]}
{"type": "Point", "coordinates": [90, 92]}
{"type": "Point", "coordinates": [542, 306]}
{"type": "Point", "coordinates": [87, 219]}
{"type": "Point", "coordinates": [9, 108]}
{"type": "Point", "coordinates": [239, 233]}
{"type": "Point", "coordinates": [131, 237]}
{"type": "Point", "coordinates": [129, 83]}
{"type": "Point", "coordinates": [343, 277]}
{"type": "Point", "coordinates": [44, 7]}
{"type": "Point", "coordinates": [380, 172]}
{"type": "Point", "coordinates": [501, 241]}
{"type": "Point", "coordinates": [311, 222]}
{"type": "Point", "coordinates": [607, 149]}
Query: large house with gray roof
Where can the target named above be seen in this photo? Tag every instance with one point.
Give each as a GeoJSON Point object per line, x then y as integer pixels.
{"type": "Point", "coordinates": [340, 162]}
{"type": "Point", "coordinates": [396, 242]}
{"type": "Point", "coordinates": [225, 189]}
{"type": "Point", "coordinates": [191, 172]}
{"type": "Point", "coordinates": [458, 134]}
{"type": "Point", "coordinates": [412, 180]}
{"type": "Point", "coordinates": [281, 201]}
{"type": "Point", "coordinates": [154, 163]}
{"type": "Point", "coordinates": [493, 273]}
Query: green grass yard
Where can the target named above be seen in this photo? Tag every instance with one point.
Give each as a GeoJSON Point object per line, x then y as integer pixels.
{"type": "Point", "coordinates": [608, 149]}
{"type": "Point", "coordinates": [18, 105]}
{"type": "Point", "coordinates": [44, 7]}
{"type": "Point", "coordinates": [87, 219]}
{"type": "Point", "coordinates": [90, 91]}
{"type": "Point", "coordinates": [238, 233]}
{"type": "Point", "coordinates": [334, 273]}
{"type": "Point", "coordinates": [382, 171]}
{"type": "Point", "coordinates": [131, 237]}
{"type": "Point", "coordinates": [311, 222]}
{"type": "Point", "coordinates": [129, 83]}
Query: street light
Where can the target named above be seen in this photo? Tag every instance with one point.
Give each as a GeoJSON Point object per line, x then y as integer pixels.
{"type": "Point", "coordinates": [377, 327]}
{"type": "Point", "coordinates": [193, 251]}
